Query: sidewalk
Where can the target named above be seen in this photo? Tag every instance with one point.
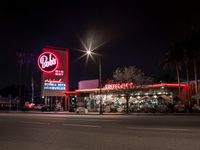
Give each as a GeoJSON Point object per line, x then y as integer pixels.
{"type": "Point", "coordinates": [97, 113]}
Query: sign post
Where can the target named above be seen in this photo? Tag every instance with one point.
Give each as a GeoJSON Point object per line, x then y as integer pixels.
{"type": "Point", "coordinates": [53, 63]}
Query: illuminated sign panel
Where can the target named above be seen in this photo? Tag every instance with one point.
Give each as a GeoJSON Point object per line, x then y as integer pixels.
{"type": "Point", "coordinates": [53, 64]}
{"type": "Point", "coordinates": [54, 86]}
{"type": "Point", "coordinates": [47, 62]}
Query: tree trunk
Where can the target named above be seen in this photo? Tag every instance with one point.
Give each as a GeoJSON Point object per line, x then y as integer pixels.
{"type": "Point", "coordinates": [20, 87]}
{"type": "Point", "coordinates": [196, 79]}
{"type": "Point", "coordinates": [195, 76]}
{"type": "Point", "coordinates": [127, 104]}
{"type": "Point", "coordinates": [178, 79]}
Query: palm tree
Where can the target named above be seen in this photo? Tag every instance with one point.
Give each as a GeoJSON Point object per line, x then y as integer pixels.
{"type": "Point", "coordinates": [193, 48]}
{"type": "Point", "coordinates": [184, 52]}
{"type": "Point", "coordinates": [29, 61]}
{"type": "Point", "coordinates": [173, 57]}
{"type": "Point", "coordinates": [186, 62]}
{"type": "Point", "coordinates": [20, 58]}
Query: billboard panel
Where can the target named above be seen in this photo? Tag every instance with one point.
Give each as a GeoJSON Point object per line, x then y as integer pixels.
{"type": "Point", "coordinates": [53, 63]}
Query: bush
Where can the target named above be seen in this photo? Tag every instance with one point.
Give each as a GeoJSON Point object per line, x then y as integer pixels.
{"type": "Point", "coordinates": [179, 107]}
{"type": "Point", "coordinates": [120, 109]}
{"type": "Point", "coordinates": [107, 109]}
{"type": "Point", "coordinates": [81, 110]}
{"type": "Point", "coordinates": [162, 108]}
{"type": "Point", "coordinates": [196, 108]}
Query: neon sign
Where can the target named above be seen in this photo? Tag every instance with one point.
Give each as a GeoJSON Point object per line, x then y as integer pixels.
{"type": "Point", "coordinates": [54, 86]}
{"type": "Point", "coordinates": [47, 62]}
{"type": "Point", "coordinates": [53, 81]}
{"type": "Point", "coordinates": [119, 85]}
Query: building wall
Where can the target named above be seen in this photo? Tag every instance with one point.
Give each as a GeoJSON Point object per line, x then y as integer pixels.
{"type": "Point", "coordinates": [88, 84]}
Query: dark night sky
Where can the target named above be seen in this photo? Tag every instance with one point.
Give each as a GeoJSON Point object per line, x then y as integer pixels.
{"type": "Point", "coordinates": [136, 33]}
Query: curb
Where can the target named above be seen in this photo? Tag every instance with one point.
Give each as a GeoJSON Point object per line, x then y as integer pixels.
{"type": "Point", "coordinates": [96, 113]}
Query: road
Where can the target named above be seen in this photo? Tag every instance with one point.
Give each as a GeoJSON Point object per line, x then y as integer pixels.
{"type": "Point", "coordinates": [98, 132]}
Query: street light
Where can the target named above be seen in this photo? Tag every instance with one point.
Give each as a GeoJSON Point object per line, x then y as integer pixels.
{"type": "Point", "coordinates": [100, 88]}
{"type": "Point", "coordinates": [89, 47]}
{"type": "Point", "coordinates": [89, 53]}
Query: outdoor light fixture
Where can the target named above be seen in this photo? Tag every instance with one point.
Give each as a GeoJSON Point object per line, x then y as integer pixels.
{"type": "Point", "coordinates": [89, 52]}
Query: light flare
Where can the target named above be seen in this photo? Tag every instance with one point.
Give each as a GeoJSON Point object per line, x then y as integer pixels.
{"type": "Point", "coordinates": [88, 51]}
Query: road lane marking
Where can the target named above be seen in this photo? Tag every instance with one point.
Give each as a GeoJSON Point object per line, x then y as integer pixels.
{"type": "Point", "coordinates": [160, 129]}
{"type": "Point", "coordinates": [92, 120]}
{"type": "Point", "coordinates": [40, 123]}
{"type": "Point", "coordinates": [82, 125]}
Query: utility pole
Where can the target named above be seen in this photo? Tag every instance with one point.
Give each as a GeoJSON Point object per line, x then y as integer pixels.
{"type": "Point", "coordinates": [32, 88]}
{"type": "Point", "coordinates": [100, 88]}
{"type": "Point", "coordinates": [10, 102]}
{"type": "Point", "coordinates": [17, 105]}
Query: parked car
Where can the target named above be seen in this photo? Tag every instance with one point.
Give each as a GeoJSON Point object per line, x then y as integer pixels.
{"type": "Point", "coordinates": [45, 108]}
{"type": "Point", "coordinates": [39, 107]}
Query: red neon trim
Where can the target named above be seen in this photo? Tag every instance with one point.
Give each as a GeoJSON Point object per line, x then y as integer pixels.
{"type": "Point", "coordinates": [70, 92]}
{"type": "Point", "coordinates": [166, 84]}
{"type": "Point", "coordinates": [147, 86]}
{"type": "Point", "coordinates": [42, 68]}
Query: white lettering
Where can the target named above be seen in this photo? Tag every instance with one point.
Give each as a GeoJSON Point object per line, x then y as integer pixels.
{"type": "Point", "coordinates": [47, 62]}
{"type": "Point", "coordinates": [53, 81]}
{"type": "Point", "coordinates": [119, 86]}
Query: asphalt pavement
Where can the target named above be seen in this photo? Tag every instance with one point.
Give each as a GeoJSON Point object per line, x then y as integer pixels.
{"type": "Point", "coordinates": [22, 131]}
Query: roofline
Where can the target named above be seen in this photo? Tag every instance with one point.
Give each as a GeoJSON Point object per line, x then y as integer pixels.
{"type": "Point", "coordinates": [145, 86]}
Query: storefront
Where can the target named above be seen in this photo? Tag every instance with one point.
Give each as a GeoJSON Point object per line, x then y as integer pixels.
{"type": "Point", "coordinates": [146, 99]}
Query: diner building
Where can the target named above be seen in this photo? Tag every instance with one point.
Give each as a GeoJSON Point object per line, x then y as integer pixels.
{"type": "Point", "coordinates": [145, 98]}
